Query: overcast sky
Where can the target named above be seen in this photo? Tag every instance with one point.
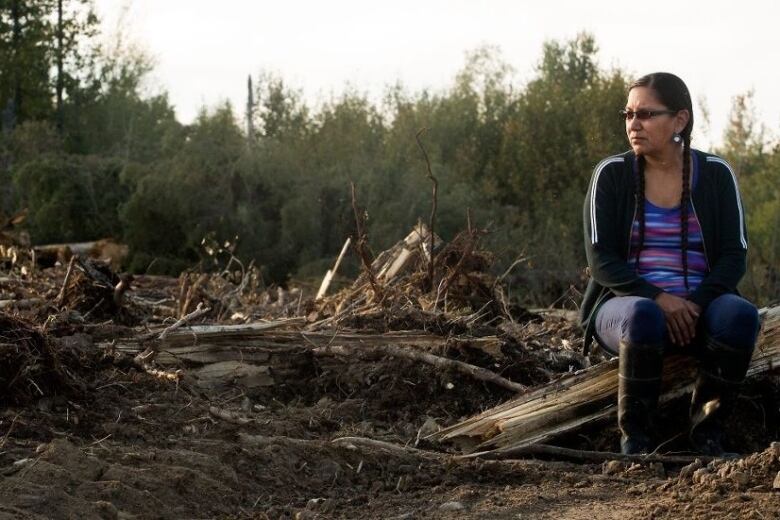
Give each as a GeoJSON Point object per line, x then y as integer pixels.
{"type": "Point", "coordinates": [204, 49]}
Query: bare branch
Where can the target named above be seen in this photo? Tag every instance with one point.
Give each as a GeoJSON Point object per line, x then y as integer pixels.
{"type": "Point", "coordinates": [434, 202]}
{"type": "Point", "coordinates": [361, 247]}
{"type": "Point", "coordinates": [581, 455]}
{"type": "Point", "coordinates": [61, 295]}
{"type": "Point", "coordinates": [476, 372]}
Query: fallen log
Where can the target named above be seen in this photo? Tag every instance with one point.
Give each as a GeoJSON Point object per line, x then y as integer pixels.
{"type": "Point", "coordinates": [201, 340]}
{"type": "Point", "coordinates": [24, 303]}
{"type": "Point", "coordinates": [106, 249]}
{"type": "Point", "coordinates": [585, 396]}
{"type": "Point", "coordinates": [263, 354]}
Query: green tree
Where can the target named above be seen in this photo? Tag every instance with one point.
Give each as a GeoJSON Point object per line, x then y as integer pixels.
{"type": "Point", "coordinates": [563, 123]}
{"type": "Point", "coordinates": [188, 196]}
{"type": "Point", "coordinates": [744, 137]}
{"type": "Point", "coordinates": [113, 114]}
{"type": "Point", "coordinates": [72, 198]}
{"type": "Point", "coordinates": [759, 175]}
{"type": "Point", "coordinates": [25, 38]}
{"type": "Point", "coordinates": [42, 49]}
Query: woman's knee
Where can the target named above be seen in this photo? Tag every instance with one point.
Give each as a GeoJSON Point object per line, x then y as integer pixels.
{"type": "Point", "coordinates": [644, 322]}
{"type": "Point", "coordinates": [733, 320]}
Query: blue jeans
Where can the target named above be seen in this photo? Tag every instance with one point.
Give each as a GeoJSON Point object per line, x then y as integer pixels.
{"type": "Point", "coordinates": [729, 319]}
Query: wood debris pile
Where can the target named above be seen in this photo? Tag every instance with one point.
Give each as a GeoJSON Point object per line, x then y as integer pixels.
{"type": "Point", "coordinates": [226, 328]}
{"type": "Point", "coordinates": [420, 303]}
{"type": "Point", "coordinates": [396, 291]}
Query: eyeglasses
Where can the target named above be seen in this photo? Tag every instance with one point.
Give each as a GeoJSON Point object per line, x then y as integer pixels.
{"type": "Point", "coordinates": [629, 115]}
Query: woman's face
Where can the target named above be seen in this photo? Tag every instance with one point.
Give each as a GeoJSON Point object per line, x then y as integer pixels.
{"type": "Point", "coordinates": [653, 136]}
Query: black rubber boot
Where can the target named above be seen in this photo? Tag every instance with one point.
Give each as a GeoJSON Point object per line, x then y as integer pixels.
{"type": "Point", "coordinates": [638, 388]}
{"type": "Point", "coordinates": [721, 373]}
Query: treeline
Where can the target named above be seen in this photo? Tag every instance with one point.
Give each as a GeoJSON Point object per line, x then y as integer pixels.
{"type": "Point", "coordinates": [106, 159]}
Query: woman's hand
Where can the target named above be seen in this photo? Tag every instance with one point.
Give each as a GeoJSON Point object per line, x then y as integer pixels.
{"type": "Point", "coordinates": [681, 317]}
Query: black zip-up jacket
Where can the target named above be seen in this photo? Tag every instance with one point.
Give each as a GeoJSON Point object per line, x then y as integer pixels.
{"type": "Point", "coordinates": [610, 209]}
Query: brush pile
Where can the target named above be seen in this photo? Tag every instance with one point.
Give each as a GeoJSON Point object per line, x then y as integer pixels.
{"type": "Point", "coordinates": [400, 290]}
{"type": "Point", "coordinates": [30, 365]}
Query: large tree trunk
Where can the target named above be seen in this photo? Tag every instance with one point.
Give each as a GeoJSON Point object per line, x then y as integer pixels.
{"type": "Point", "coordinates": [250, 108]}
{"type": "Point", "coordinates": [574, 400]}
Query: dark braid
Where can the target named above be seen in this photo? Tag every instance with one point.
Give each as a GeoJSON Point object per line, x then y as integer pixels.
{"type": "Point", "coordinates": [686, 195]}
{"type": "Point", "coordinates": [640, 204]}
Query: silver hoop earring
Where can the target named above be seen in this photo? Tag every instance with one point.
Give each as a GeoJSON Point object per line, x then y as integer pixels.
{"type": "Point", "coordinates": [677, 138]}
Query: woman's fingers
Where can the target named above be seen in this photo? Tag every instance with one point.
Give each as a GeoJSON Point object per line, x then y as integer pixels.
{"type": "Point", "coordinates": [694, 323]}
{"type": "Point", "coordinates": [694, 308]}
{"type": "Point", "coordinates": [688, 325]}
{"type": "Point", "coordinates": [672, 337]}
{"type": "Point", "coordinates": [682, 326]}
{"type": "Point", "coordinates": [674, 330]}
{"type": "Point", "coordinates": [681, 318]}
{"type": "Point", "coordinates": [670, 330]}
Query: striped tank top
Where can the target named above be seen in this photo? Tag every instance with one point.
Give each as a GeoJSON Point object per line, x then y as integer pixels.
{"type": "Point", "coordinates": [661, 260]}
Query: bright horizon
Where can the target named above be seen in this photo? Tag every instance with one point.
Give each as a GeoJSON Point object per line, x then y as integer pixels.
{"type": "Point", "coordinates": [204, 54]}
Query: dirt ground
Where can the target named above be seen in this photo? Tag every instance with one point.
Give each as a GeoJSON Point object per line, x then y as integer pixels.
{"type": "Point", "coordinates": [136, 447]}
{"type": "Point", "coordinates": [85, 433]}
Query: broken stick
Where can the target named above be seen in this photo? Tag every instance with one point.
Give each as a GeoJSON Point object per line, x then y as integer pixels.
{"type": "Point", "coordinates": [148, 355]}
{"type": "Point", "coordinates": [174, 376]}
{"type": "Point", "coordinates": [476, 372]}
{"type": "Point", "coordinates": [395, 449]}
{"type": "Point", "coordinates": [228, 416]}
{"type": "Point", "coordinates": [332, 272]}
{"type": "Point", "coordinates": [61, 295]}
{"type": "Point", "coordinates": [362, 248]}
{"type": "Point", "coordinates": [199, 311]}
{"type": "Point", "coordinates": [557, 452]}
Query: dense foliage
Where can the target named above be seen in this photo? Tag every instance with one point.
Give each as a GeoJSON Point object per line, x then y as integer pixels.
{"type": "Point", "coordinates": [111, 159]}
